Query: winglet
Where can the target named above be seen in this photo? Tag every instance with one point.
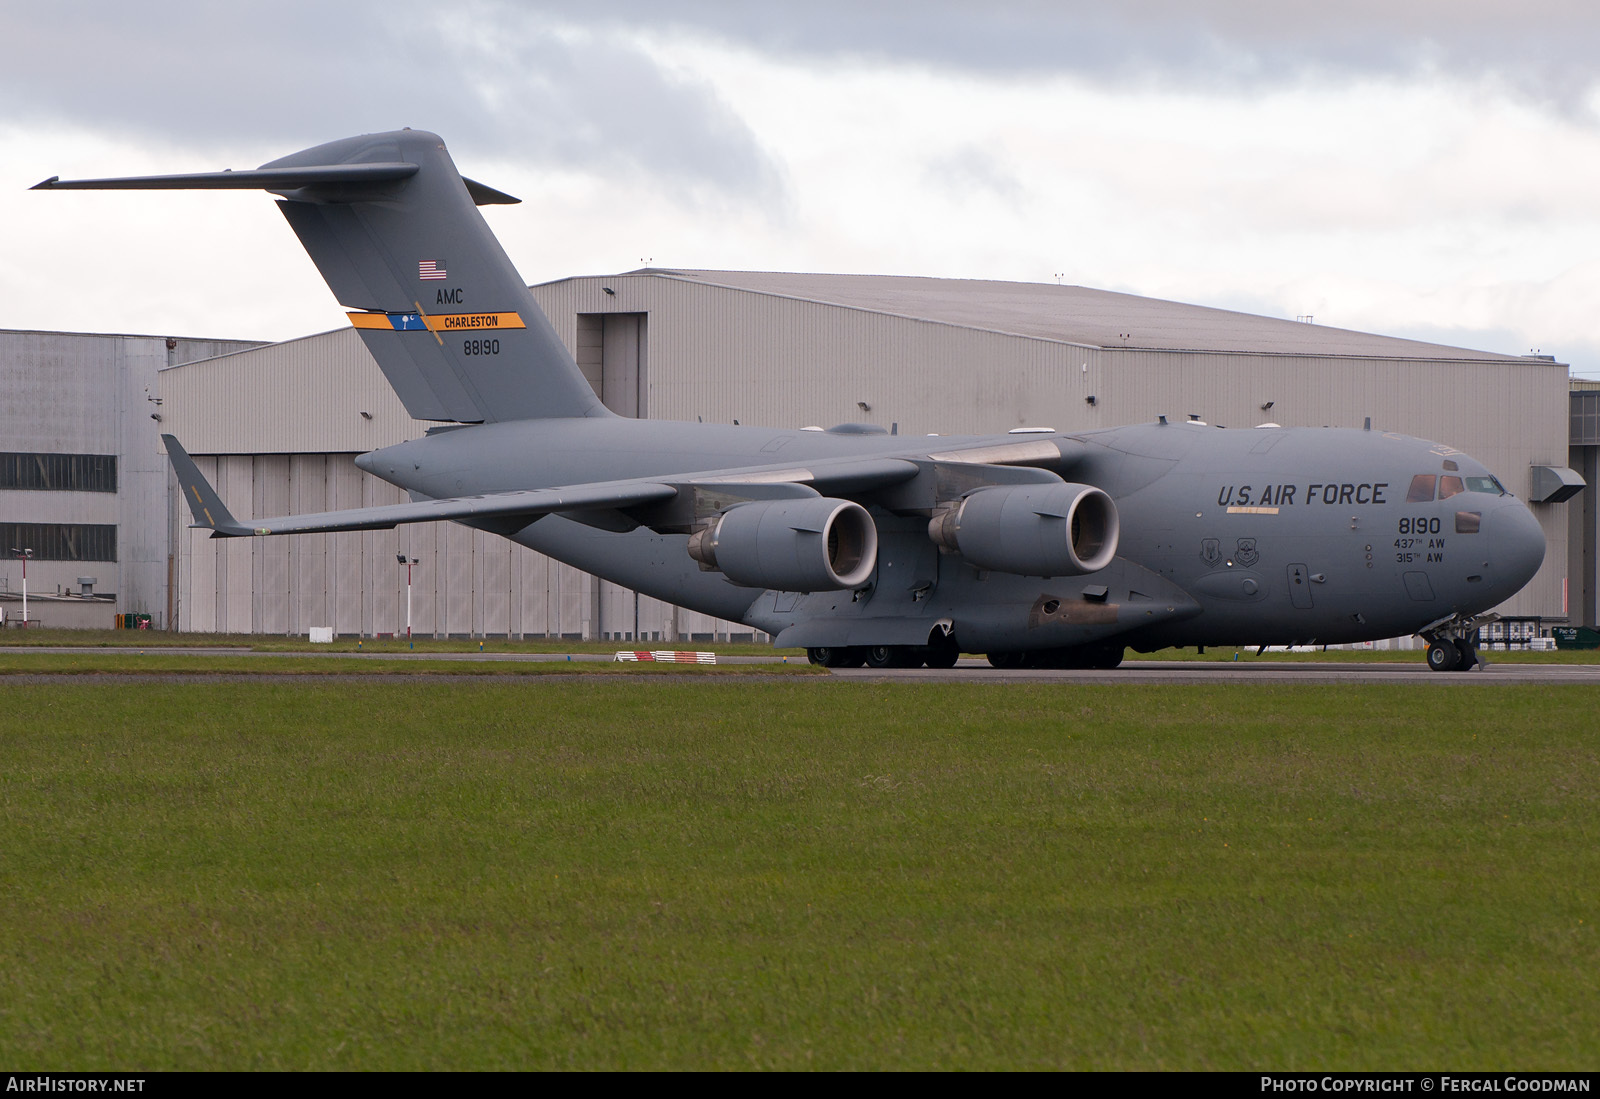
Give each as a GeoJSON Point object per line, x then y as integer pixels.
{"type": "Point", "coordinates": [208, 509]}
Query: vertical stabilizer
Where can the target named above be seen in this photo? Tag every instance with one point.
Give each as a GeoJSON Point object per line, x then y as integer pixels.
{"type": "Point", "coordinates": [395, 230]}
{"type": "Point", "coordinates": [443, 311]}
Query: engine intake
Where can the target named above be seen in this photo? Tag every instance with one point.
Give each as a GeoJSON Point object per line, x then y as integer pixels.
{"type": "Point", "coordinates": [1031, 530]}
{"type": "Point", "coordinates": [817, 544]}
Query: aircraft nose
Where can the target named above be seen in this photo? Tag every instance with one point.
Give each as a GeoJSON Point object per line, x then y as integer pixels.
{"type": "Point", "coordinates": [1516, 545]}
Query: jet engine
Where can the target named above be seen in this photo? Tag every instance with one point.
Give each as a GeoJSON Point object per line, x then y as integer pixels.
{"type": "Point", "coordinates": [817, 544]}
{"type": "Point", "coordinates": [1031, 530]}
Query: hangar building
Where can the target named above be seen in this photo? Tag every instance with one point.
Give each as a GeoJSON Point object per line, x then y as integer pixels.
{"type": "Point", "coordinates": [83, 479]}
{"type": "Point", "coordinates": [277, 426]}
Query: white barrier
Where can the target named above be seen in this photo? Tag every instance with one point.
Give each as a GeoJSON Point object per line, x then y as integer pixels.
{"type": "Point", "coordinates": [664, 656]}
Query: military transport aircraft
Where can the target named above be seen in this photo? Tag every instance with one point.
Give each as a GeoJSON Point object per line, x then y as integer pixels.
{"type": "Point", "coordinates": [1046, 549]}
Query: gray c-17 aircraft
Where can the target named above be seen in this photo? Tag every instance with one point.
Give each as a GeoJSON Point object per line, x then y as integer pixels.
{"type": "Point", "coordinates": [1055, 549]}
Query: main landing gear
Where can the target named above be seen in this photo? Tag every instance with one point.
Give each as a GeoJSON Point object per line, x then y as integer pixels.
{"type": "Point", "coordinates": [833, 657]}
{"type": "Point", "coordinates": [1071, 656]}
{"type": "Point", "coordinates": [942, 653]}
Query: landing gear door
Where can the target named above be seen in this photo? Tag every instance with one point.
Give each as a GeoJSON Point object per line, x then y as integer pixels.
{"type": "Point", "coordinates": [1300, 586]}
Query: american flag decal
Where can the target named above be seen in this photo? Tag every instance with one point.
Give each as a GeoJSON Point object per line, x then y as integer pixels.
{"type": "Point", "coordinates": [431, 269]}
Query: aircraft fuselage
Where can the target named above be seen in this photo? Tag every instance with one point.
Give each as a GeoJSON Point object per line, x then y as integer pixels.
{"type": "Point", "coordinates": [1228, 536]}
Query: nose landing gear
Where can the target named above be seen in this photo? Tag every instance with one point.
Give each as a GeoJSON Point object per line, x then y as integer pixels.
{"type": "Point", "coordinates": [1453, 645]}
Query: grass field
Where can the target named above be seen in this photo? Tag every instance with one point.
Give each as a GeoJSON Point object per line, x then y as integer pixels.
{"type": "Point", "coordinates": [654, 874]}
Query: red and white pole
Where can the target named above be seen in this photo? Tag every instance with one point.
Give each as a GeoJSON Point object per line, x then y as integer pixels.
{"type": "Point", "coordinates": [24, 554]}
{"type": "Point", "coordinates": [407, 562]}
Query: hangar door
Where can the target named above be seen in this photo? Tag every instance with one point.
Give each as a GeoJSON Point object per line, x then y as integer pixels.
{"type": "Point", "coordinates": [611, 354]}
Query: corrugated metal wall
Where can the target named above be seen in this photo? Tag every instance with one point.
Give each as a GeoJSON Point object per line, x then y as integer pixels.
{"type": "Point", "coordinates": [302, 396]}
{"type": "Point", "coordinates": [87, 393]}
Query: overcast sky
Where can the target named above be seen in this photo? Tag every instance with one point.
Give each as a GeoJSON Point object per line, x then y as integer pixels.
{"type": "Point", "coordinates": [1427, 168]}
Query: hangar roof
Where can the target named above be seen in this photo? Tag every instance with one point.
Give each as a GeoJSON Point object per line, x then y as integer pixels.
{"type": "Point", "coordinates": [1074, 314]}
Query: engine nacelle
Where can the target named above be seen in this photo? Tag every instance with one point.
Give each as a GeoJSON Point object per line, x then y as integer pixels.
{"type": "Point", "coordinates": [816, 544]}
{"type": "Point", "coordinates": [1031, 530]}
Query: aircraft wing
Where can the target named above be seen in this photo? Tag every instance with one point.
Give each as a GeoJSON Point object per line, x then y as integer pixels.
{"type": "Point", "coordinates": [714, 489]}
{"type": "Point", "coordinates": [674, 502]}
{"type": "Point", "coordinates": [210, 512]}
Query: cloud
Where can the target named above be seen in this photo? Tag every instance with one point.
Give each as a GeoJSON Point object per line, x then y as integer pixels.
{"type": "Point", "coordinates": [1426, 163]}
{"type": "Point", "coordinates": [1540, 48]}
{"type": "Point", "coordinates": [973, 168]}
{"type": "Point", "coordinates": [493, 78]}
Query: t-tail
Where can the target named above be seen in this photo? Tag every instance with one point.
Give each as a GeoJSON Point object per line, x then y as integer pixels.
{"type": "Point", "coordinates": [395, 231]}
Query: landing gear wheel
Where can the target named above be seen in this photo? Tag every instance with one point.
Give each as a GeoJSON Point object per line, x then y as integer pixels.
{"type": "Point", "coordinates": [943, 654]}
{"type": "Point", "coordinates": [834, 657]}
{"type": "Point", "coordinates": [1469, 654]}
{"type": "Point", "coordinates": [891, 656]}
{"type": "Point", "coordinates": [1107, 656]}
{"type": "Point", "coordinates": [1443, 656]}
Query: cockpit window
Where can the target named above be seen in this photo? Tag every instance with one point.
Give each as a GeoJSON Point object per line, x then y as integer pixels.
{"type": "Point", "coordinates": [1450, 486]}
{"type": "Point", "coordinates": [1485, 484]}
{"type": "Point", "coordinates": [1421, 488]}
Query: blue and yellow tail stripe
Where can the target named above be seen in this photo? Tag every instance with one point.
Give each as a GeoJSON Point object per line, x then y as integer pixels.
{"type": "Point", "coordinates": [436, 322]}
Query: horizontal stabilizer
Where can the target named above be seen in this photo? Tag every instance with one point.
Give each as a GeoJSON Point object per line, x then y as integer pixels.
{"type": "Point", "coordinates": [271, 179]}
{"type": "Point", "coordinates": [258, 179]}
